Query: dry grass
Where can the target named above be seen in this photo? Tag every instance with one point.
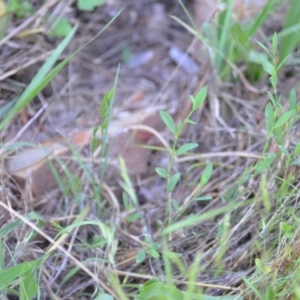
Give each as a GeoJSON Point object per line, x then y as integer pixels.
{"type": "Point", "coordinates": [230, 131]}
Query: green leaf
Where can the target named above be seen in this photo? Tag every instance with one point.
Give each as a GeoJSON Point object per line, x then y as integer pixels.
{"type": "Point", "coordinates": [12, 5]}
{"type": "Point", "coordinates": [297, 149]}
{"type": "Point", "coordinates": [203, 198]}
{"type": "Point", "coordinates": [133, 217]}
{"type": "Point", "coordinates": [9, 275]}
{"type": "Point", "coordinates": [253, 288]}
{"type": "Point", "coordinates": [265, 163]}
{"type": "Point", "coordinates": [190, 122]}
{"type": "Point", "coordinates": [161, 172]}
{"type": "Point", "coordinates": [141, 256]}
{"type": "Point", "coordinates": [185, 148]}
{"type": "Point", "coordinates": [295, 162]}
{"type": "Point", "coordinates": [13, 225]}
{"type": "Point", "coordinates": [168, 120]}
{"type": "Point", "coordinates": [180, 126]}
{"type": "Point", "coordinates": [289, 42]}
{"type": "Point", "coordinates": [40, 80]}
{"type": "Point", "coordinates": [61, 29]}
{"type": "Point", "coordinates": [286, 229]}
{"type": "Point", "coordinates": [95, 141]}
{"type": "Point", "coordinates": [102, 296]}
{"type": "Point", "coordinates": [258, 264]}
{"type": "Point", "coordinates": [24, 9]}
{"type": "Point", "coordinates": [153, 253]}
{"type": "Point", "coordinates": [175, 204]}
{"type": "Point", "coordinates": [285, 151]}
{"type": "Point", "coordinates": [284, 118]}
{"type": "Point", "coordinates": [28, 285]}
{"type": "Point", "coordinates": [269, 116]}
{"type": "Point", "coordinates": [260, 18]}
{"type": "Point", "coordinates": [45, 74]}
{"type": "Point", "coordinates": [271, 97]}
{"type": "Point", "coordinates": [264, 48]}
{"type": "Point", "coordinates": [173, 181]}
{"type": "Point", "coordinates": [270, 295]}
{"type": "Point", "coordinates": [273, 80]}
{"type": "Point", "coordinates": [267, 66]}
{"type": "Point", "coordinates": [95, 144]}
{"type": "Point", "coordinates": [206, 174]}
{"type": "Point", "coordinates": [239, 35]}
{"type": "Point", "coordinates": [154, 289]}
{"type": "Point", "coordinates": [89, 5]}
{"type": "Point", "coordinates": [10, 227]}
{"type": "Point", "coordinates": [274, 44]}
{"type": "Point", "coordinates": [199, 99]}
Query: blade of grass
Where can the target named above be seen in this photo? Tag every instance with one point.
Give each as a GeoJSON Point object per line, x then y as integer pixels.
{"type": "Point", "coordinates": [39, 83]}
{"type": "Point", "coordinates": [29, 93]}
{"type": "Point", "coordinates": [224, 30]}
{"type": "Point", "coordinates": [7, 276]}
{"type": "Point", "coordinates": [192, 220]}
{"type": "Point", "coordinates": [261, 18]}
{"type": "Point", "coordinates": [288, 43]}
{"type": "Point", "coordinates": [104, 152]}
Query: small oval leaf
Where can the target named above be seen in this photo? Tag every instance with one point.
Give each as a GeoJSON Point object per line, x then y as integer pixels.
{"type": "Point", "coordinates": [297, 149]}
{"type": "Point", "coordinates": [185, 148]}
{"type": "Point", "coordinates": [168, 120]}
{"type": "Point", "coordinates": [200, 97]}
{"type": "Point", "coordinates": [161, 172]}
{"type": "Point", "coordinates": [172, 183]}
{"type": "Point", "coordinates": [284, 118]}
{"type": "Point", "coordinates": [141, 256]}
{"type": "Point", "coordinates": [206, 174]}
{"type": "Point", "coordinates": [269, 116]}
{"type": "Point", "coordinates": [267, 66]}
{"type": "Point", "coordinates": [203, 198]}
{"type": "Point", "coordinates": [153, 253]}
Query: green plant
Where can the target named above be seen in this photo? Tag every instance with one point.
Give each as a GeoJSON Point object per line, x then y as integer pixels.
{"type": "Point", "coordinates": [25, 275]}
{"type": "Point", "coordinates": [272, 202]}
{"type": "Point", "coordinates": [274, 280]}
{"type": "Point", "coordinates": [62, 26]}
{"type": "Point", "coordinates": [20, 9]}
{"type": "Point", "coordinates": [230, 42]}
{"type": "Point", "coordinates": [154, 289]}
{"type": "Point", "coordinates": [176, 130]}
{"type": "Point", "coordinates": [105, 112]}
{"type": "Point", "coordinates": [46, 74]}
{"type": "Point", "coordinates": [89, 5]}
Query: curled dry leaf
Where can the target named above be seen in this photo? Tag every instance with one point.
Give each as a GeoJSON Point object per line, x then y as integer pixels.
{"type": "Point", "coordinates": [31, 166]}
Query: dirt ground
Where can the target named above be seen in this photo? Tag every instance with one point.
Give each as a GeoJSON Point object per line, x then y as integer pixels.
{"type": "Point", "coordinates": [148, 45]}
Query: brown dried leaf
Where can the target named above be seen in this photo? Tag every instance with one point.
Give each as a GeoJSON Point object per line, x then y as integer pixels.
{"type": "Point", "coordinates": [31, 166]}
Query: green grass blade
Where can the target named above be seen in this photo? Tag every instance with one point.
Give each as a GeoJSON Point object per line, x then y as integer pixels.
{"type": "Point", "coordinates": [39, 83]}
{"type": "Point", "coordinates": [14, 225]}
{"type": "Point", "coordinates": [261, 18]}
{"type": "Point", "coordinates": [28, 285]}
{"type": "Point", "coordinates": [288, 43]}
{"type": "Point", "coordinates": [10, 227]}
{"type": "Point", "coordinates": [196, 219]}
{"type": "Point", "coordinates": [104, 153]}
{"type": "Point", "coordinates": [36, 85]}
{"type": "Point", "coordinates": [47, 66]}
{"type": "Point", "coordinates": [9, 275]}
{"type": "Point", "coordinates": [224, 31]}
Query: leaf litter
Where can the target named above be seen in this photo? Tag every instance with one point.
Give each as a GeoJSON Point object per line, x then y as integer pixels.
{"type": "Point", "coordinates": [74, 97]}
